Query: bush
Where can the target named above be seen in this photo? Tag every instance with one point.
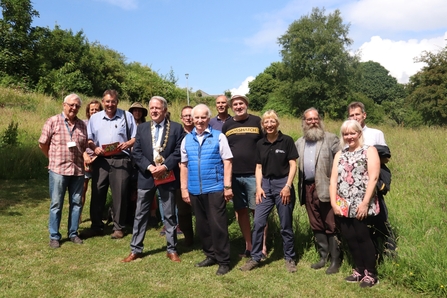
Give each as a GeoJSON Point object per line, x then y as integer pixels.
{"type": "Point", "coordinates": [10, 135]}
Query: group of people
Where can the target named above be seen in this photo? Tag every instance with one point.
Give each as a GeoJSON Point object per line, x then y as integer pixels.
{"type": "Point", "coordinates": [201, 166]}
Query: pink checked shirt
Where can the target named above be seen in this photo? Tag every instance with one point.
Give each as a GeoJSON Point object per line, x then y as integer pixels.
{"type": "Point", "coordinates": [63, 160]}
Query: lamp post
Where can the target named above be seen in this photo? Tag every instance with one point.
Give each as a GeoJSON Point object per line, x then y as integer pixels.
{"type": "Point", "coordinates": [187, 89]}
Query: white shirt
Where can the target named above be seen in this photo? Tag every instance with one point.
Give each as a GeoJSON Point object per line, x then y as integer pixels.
{"type": "Point", "coordinates": [372, 136]}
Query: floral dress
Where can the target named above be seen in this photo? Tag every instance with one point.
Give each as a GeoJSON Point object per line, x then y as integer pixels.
{"type": "Point", "coordinates": [353, 179]}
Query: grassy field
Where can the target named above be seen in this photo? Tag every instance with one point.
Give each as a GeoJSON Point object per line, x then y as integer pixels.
{"type": "Point", "coordinates": [29, 268]}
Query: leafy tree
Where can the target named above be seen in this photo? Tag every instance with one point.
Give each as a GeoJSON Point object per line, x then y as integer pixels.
{"type": "Point", "coordinates": [317, 67]}
{"type": "Point", "coordinates": [376, 83]}
{"type": "Point", "coordinates": [262, 86]}
{"type": "Point", "coordinates": [428, 88]}
{"type": "Point", "coordinates": [16, 38]}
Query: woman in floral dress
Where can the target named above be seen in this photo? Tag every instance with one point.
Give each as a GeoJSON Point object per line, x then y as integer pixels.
{"type": "Point", "coordinates": [352, 189]}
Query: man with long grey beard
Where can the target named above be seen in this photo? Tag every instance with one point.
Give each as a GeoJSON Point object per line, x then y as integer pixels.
{"type": "Point", "coordinates": [316, 149]}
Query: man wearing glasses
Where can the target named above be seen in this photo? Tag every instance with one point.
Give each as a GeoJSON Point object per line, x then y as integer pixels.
{"type": "Point", "coordinates": [111, 134]}
{"type": "Point", "coordinates": [185, 209]}
{"type": "Point", "coordinates": [63, 141]}
{"type": "Point", "coordinates": [316, 150]}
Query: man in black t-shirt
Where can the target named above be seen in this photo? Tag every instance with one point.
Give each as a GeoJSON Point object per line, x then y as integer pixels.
{"type": "Point", "coordinates": [243, 131]}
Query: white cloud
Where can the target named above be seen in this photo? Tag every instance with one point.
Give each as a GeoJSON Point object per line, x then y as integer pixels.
{"type": "Point", "coordinates": [124, 4]}
{"type": "Point", "coordinates": [398, 56]}
{"type": "Point", "coordinates": [243, 88]}
{"type": "Point", "coordinates": [397, 15]}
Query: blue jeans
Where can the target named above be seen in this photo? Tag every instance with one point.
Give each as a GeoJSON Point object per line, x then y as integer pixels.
{"type": "Point", "coordinates": [58, 187]}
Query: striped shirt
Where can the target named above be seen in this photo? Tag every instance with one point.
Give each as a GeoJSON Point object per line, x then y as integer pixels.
{"type": "Point", "coordinates": [63, 160]}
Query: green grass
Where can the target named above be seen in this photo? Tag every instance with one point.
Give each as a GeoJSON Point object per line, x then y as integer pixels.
{"type": "Point", "coordinates": [29, 268]}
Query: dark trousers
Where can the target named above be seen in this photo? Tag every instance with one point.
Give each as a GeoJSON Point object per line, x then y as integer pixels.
{"type": "Point", "coordinates": [113, 172]}
{"type": "Point", "coordinates": [356, 234]}
{"type": "Point", "coordinates": [184, 215]}
{"type": "Point", "coordinates": [383, 230]}
{"type": "Point", "coordinates": [142, 213]}
{"type": "Point", "coordinates": [212, 225]}
{"type": "Point", "coordinates": [321, 215]}
{"type": "Point", "coordinates": [272, 188]}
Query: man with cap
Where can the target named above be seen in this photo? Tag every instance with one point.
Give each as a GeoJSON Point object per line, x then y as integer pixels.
{"type": "Point", "coordinates": [222, 113]}
{"type": "Point", "coordinates": [243, 131]}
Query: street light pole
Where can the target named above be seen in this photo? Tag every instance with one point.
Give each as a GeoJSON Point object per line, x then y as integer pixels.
{"type": "Point", "coordinates": [187, 89]}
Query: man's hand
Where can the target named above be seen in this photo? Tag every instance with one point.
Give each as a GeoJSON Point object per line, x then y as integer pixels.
{"type": "Point", "coordinates": [158, 171]}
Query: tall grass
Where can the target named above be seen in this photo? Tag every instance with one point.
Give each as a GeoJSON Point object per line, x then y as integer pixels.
{"type": "Point", "coordinates": [417, 211]}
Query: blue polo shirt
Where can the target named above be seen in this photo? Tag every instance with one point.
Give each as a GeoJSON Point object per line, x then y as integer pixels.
{"type": "Point", "coordinates": [104, 130]}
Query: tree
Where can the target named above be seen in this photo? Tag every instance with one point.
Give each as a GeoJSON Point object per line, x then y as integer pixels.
{"type": "Point", "coordinates": [376, 83]}
{"type": "Point", "coordinates": [262, 86]}
{"type": "Point", "coordinates": [428, 88]}
{"type": "Point", "coordinates": [16, 38]}
{"type": "Point", "coordinates": [317, 68]}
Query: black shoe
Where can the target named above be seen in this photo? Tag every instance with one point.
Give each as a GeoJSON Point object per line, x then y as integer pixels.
{"type": "Point", "coordinates": [207, 262]}
{"type": "Point", "coordinates": [90, 233]}
{"type": "Point", "coordinates": [223, 269]}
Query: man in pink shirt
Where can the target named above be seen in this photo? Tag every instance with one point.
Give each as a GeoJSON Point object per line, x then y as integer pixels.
{"type": "Point", "coordinates": [63, 141]}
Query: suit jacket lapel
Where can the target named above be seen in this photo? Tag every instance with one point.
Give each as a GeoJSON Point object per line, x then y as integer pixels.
{"type": "Point", "coordinates": [318, 149]}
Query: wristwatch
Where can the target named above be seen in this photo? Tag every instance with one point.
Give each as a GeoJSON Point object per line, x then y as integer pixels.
{"type": "Point", "coordinates": [227, 186]}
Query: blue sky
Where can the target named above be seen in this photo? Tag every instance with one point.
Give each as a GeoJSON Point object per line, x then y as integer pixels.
{"type": "Point", "coordinates": [224, 44]}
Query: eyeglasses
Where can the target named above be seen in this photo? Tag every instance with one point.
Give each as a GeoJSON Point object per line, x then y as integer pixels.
{"type": "Point", "coordinates": [308, 120]}
{"type": "Point", "coordinates": [72, 105]}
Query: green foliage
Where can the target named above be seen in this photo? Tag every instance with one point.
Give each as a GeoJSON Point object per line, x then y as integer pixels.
{"type": "Point", "coordinates": [16, 37]}
{"type": "Point", "coordinates": [262, 86]}
{"type": "Point", "coordinates": [9, 137]}
{"type": "Point", "coordinates": [57, 62]}
{"type": "Point", "coordinates": [376, 83]}
{"type": "Point", "coordinates": [428, 88]}
{"type": "Point", "coordinates": [277, 103]}
{"type": "Point", "coordinates": [317, 67]}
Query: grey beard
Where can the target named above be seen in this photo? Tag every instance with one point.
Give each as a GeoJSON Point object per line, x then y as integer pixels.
{"type": "Point", "coordinates": [313, 134]}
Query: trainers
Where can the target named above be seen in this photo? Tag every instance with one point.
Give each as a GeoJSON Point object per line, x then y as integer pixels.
{"type": "Point", "coordinates": [249, 265]}
{"type": "Point", "coordinates": [54, 243]}
{"type": "Point", "coordinates": [354, 277]}
{"type": "Point", "coordinates": [223, 269]}
{"type": "Point", "coordinates": [291, 266]}
{"type": "Point", "coordinates": [368, 280]}
{"type": "Point", "coordinates": [76, 240]}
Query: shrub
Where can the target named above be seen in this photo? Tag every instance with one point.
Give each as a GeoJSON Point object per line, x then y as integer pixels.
{"type": "Point", "coordinates": [10, 135]}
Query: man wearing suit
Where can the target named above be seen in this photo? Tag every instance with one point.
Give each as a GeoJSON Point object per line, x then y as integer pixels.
{"type": "Point", "coordinates": [156, 153]}
{"type": "Point", "coordinates": [316, 149]}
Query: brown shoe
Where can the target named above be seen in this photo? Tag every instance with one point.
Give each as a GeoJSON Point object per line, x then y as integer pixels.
{"type": "Point", "coordinates": [132, 257]}
{"type": "Point", "coordinates": [173, 256]}
{"type": "Point", "coordinates": [117, 234]}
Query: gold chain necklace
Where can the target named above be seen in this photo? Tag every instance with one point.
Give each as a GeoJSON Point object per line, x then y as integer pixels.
{"type": "Point", "coordinates": [159, 159]}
